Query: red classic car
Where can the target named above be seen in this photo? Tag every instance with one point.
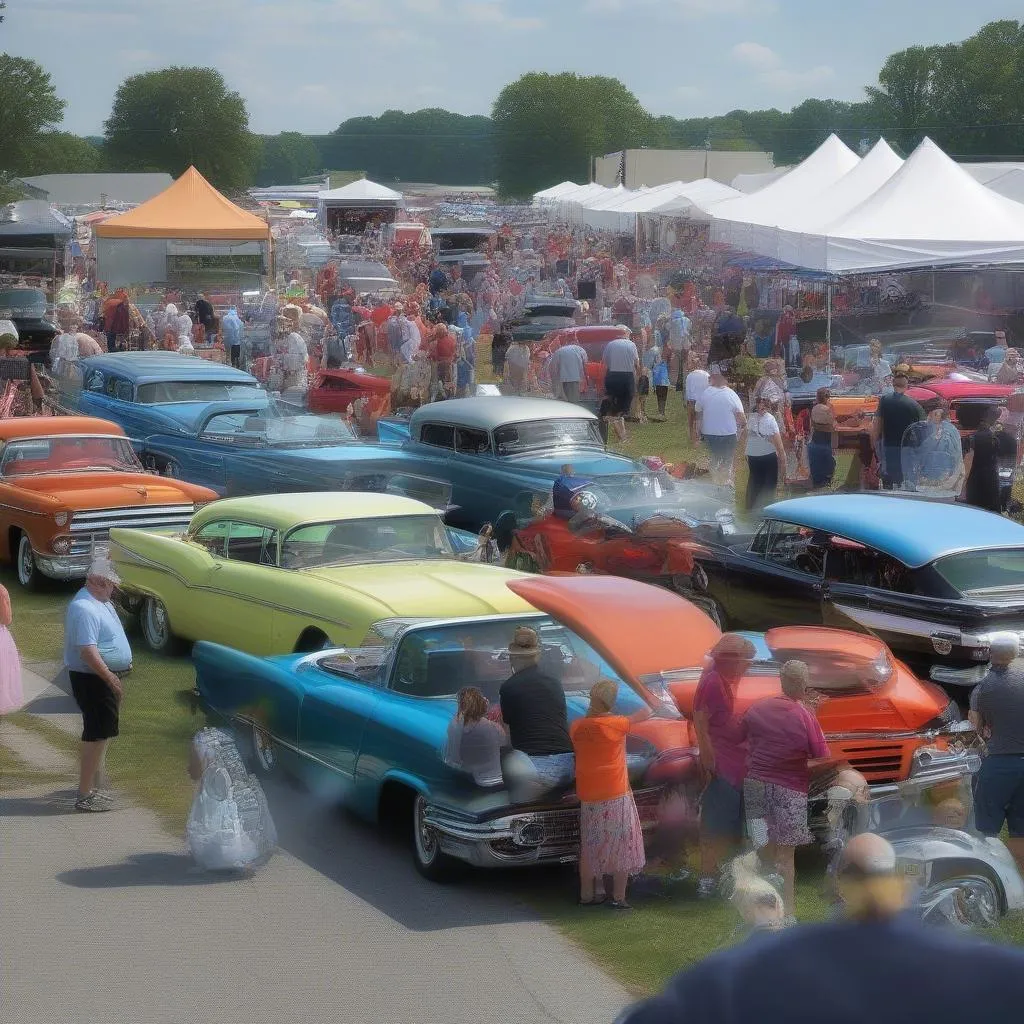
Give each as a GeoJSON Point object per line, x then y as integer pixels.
{"type": "Point", "coordinates": [966, 398]}
{"type": "Point", "coordinates": [336, 390]}
{"type": "Point", "coordinates": [592, 340]}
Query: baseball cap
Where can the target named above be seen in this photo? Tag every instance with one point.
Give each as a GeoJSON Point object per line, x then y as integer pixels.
{"type": "Point", "coordinates": [103, 568]}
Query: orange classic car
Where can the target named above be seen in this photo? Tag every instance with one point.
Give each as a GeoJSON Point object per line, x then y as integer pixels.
{"type": "Point", "coordinates": [65, 481]}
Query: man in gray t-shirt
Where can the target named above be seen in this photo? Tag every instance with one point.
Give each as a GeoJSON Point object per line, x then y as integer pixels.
{"type": "Point", "coordinates": [997, 712]}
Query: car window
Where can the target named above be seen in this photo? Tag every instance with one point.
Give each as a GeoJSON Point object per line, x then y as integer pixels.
{"type": "Point", "coordinates": [95, 380]}
{"type": "Point", "coordinates": [795, 547]}
{"type": "Point", "coordinates": [256, 545]}
{"type": "Point", "coordinates": [472, 442]}
{"type": "Point", "coordinates": [974, 572]}
{"type": "Point", "coordinates": [362, 541]}
{"type": "Point", "coordinates": [213, 537]}
{"type": "Point", "coordinates": [440, 435]}
{"type": "Point", "coordinates": [849, 562]}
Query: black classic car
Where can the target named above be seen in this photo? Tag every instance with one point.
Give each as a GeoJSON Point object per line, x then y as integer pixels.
{"type": "Point", "coordinates": [541, 315]}
{"type": "Point", "coordinates": [27, 308]}
{"type": "Point", "coordinates": [933, 581]}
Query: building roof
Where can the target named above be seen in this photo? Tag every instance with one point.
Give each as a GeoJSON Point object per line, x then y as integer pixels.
{"type": "Point", "coordinates": [33, 218]}
{"type": "Point", "coordinates": [287, 510]}
{"type": "Point", "coordinates": [89, 189]}
{"type": "Point", "coordinates": [488, 413]}
{"type": "Point", "coordinates": [145, 367]}
{"type": "Point", "coordinates": [189, 208]}
{"type": "Point", "coordinates": [913, 531]}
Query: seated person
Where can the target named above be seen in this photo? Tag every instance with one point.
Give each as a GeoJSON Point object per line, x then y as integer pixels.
{"type": "Point", "coordinates": [533, 709]}
{"type": "Point", "coordinates": [565, 493]}
{"type": "Point", "coordinates": [474, 742]}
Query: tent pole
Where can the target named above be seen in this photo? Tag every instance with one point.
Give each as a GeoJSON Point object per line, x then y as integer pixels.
{"type": "Point", "coordinates": [828, 322]}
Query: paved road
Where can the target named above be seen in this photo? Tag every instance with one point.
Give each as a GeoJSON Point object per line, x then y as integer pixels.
{"type": "Point", "coordinates": [103, 922]}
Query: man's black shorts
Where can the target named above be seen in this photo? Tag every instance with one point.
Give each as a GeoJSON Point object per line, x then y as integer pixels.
{"type": "Point", "coordinates": [620, 387]}
{"type": "Point", "coordinates": [98, 704]}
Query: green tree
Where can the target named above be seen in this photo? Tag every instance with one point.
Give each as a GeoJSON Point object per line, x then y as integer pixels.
{"type": "Point", "coordinates": [548, 127]}
{"type": "Point", "coordinates": [286, 158]}
{"type": "Point", "coordinates": [170, 119]}
{"type": "Point", "coordinates": [61, 153]}
{"type": "Point", "coordinates": [28, 105]}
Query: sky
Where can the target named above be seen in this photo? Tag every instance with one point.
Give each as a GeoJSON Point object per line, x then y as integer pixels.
{"type": "Point", "coordinates": [308, 65]}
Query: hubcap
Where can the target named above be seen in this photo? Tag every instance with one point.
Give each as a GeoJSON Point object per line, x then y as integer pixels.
{"type": "Point", "coordinates": [156, 623]}
{"type": "Point", "coordinates": [264, 749]}
{"type": "Point", "coordinates": [26, 561]}
{"type": "Point", "coordinates": [426, 839]}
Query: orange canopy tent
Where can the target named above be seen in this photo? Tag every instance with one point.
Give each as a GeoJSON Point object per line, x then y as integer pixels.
{"type": "Point", "coordinates": [190, 208]}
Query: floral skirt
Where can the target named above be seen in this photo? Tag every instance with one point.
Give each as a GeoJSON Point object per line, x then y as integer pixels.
{"type": "Point", "coordinates": [611, 840]}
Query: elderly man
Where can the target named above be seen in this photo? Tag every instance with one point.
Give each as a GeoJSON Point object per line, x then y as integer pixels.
{"type": "Point", "coordinates": [783, 737]}
{"type": "Point", "coordinates": [723, 756]}
{"type": "Point", "coordinates": [997, 712]}
{"type": "Point", "coordinates": [568, 369]}
{"type": "Point", "coordinates": [96, 654]}
{"type": "Point", "coordinates": [720, 418]}
{"type": "Point", "coordinates": [849, 970]}
{"type": "Point", "coordinates": [533, 708]}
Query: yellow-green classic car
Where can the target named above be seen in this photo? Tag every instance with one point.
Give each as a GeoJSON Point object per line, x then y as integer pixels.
{"type": "Point", "coordinates": [273, 574]}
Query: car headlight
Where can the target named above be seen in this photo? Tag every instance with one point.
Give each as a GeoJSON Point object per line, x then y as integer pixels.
{"type": "Point", "coordinates": [948, 716]}
{"type": "Point", "coordinates": [61, 518]}
{"type": "Point", "coordinates": [60, 545]}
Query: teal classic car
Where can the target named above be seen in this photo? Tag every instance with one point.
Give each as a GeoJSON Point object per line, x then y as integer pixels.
{"type": "Point", "coordinates": [368, 726]}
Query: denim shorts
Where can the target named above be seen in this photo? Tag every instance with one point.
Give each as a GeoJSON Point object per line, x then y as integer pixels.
{"type": "Point", "coordinates": [721, 809]}
{"type": "Point", "coordinates": [999, 795]}
{"type": "Point", "coordinates": [555, 769]}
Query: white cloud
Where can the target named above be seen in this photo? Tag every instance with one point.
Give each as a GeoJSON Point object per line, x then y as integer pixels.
{"type": "Point", "coordinates": [492, 14]}
{"type": "Point", "coordinates": [790, 81]}
{"type": "Point", "coordinates": [755, 55]}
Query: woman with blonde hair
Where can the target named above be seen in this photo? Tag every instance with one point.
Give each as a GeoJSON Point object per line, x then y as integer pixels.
{"type": "Point", "coordinates": [611, 840]}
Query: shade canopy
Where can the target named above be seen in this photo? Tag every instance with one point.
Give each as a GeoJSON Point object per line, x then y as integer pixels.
{"type": "Point", "coordinates": [190, 208]}
{"type": "Point", "coordinates": [33, 223]}
{"type": "Point", "coordinates": [556, 191]}
{"type": "Point", "coordinates": [695, 197]}
{"type": "Point", "coordinates": [361, 194]}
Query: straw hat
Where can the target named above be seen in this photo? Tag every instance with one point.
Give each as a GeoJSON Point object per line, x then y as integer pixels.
{"type": "Point", "coordinates": [524, 641]}
{"type": "Point", "coordinates": [732, 645]}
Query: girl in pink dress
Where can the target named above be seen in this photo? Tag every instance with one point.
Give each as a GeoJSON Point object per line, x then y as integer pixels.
{"type": "Point", "coordinates": [11, 698]}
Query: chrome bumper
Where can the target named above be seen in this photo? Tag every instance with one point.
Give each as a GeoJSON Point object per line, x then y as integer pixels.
{"type": "Point", "coordinates": [931, 766]}
{"type": "Point", "coordinates": [64, 567]}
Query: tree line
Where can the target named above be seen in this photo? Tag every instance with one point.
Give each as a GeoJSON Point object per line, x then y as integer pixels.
{"type": "Point", "coordinates": [543, 128]}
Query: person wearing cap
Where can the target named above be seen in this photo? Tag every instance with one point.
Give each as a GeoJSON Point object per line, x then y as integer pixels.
{"type": "Point", "coordinates": [720, 418]}
{"type": "Point", "coordinates": [96, 654]}
{"type": "Point", "coordinates": [783, 738]}
{"type": "Point", "coordinates": [875, 963]}
{"type": "Point", "coordinates": [997, 712]}
{"type": "Point", "coordinates": [534, 712]}
{"type": "Point", "coordinates": [723, 755]}
{"type": "Point", "coordinates": [897, 412]}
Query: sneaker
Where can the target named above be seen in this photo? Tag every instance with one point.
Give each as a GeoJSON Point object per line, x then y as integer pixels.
{"type": "Point", "coordinates": [92, 802]}
{"type": "Point", "coordinates": [707, 888]}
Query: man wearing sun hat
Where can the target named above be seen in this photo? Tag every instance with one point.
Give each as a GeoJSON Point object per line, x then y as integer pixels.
{"type": "Point", "coordinates": [96, 655]}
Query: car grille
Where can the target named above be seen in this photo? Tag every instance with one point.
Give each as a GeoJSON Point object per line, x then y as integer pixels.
{"type": "Point", "coordinates": [878, 763]}
{"type": "Point", "coordinates": [92, 527]}
{"type": "Point", "coordinates": [562, 827]}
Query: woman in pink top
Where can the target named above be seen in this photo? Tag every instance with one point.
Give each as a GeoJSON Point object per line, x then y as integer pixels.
{"type": "Point", "coordinates": [783, 739]}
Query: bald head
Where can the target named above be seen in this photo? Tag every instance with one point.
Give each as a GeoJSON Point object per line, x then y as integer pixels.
{"type": "Point", "coordinates": [868, 855]}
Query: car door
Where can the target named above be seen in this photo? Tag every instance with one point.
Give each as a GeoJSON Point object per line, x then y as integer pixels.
{"type": "Point", "coordinates": [779, 579]}
{"type": "Point", "coordinates": [475, 484]}
{"type": "Point", "coordinates": [186, 457]}
{"type": "Point", "coordinates": [111, 396]}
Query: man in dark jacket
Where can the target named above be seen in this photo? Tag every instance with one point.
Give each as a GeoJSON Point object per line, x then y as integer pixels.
{"type": "Point", "coordinates": [876, 965]}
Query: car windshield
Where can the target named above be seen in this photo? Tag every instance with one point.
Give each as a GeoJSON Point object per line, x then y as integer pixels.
{"type": "Point", "coordinates": [263, 429]}
{"type": "Point", "coordinates": [24, 303]}
{"type": "Point", "coordinates": [362, 541]}
{"type": "Point", "coordinates": [535, 435]}
{"type": "Point", "coordinates": [437, 661]}
{"type": "Point", "coordinates": [974, 572]}
{"type": "Point", "coordinates": [166, 392]}
{"type": "Point", "coordinates": [68, 453]}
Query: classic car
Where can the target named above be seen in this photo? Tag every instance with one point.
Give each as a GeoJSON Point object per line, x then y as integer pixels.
{"type": "Point", "coordinates": [64, 482]}
{"type": "Point", "coordinates": [592, 340]}
{"type": "Point", "coordinates": [369, 724]}
{"type": "Point", "coordinates": [28, 310]}
{"type": "Point", "coordinates": [334, 391]}
{"type": "Point", "coordinates": [854, 404]}
{"type": "Point", "coordinates": [966, 398]}
{"type": "Point", "coordinates": [930, 580]}
{"type": "Point", "coordinates": [875, 713]}
{"type": "Point", "coordinates": [296, 572]}
{"type": "Point", "coordinates": [367, 277]}
{"type": "Point", "coordinates": [542, 315]}
{"type": "Point", "coordinates": [463, 246]}
{"type": "Point", "coordinates": [501, 455]}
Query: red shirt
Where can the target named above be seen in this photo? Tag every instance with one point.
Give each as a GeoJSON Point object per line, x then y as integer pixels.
{"type": "Point", "coordinates": [782, 736]}
{"type": "Point", "coordinates": [445, 348]}
{"type": "Point", "coordinates": [725, 726]}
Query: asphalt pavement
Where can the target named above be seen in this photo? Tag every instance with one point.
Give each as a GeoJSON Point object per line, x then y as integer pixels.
{"type": "Point", "coordinates": [105, 920]}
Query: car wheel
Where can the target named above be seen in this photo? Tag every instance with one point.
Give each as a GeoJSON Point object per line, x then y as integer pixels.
{"type": "Point", "coordinates": [29, 575]}
{"type": "Point", "coordinates": [431, 863]}
{"type": "Point", "coordinates": [264, 753]}
{"type": "Point", "coordinates": [963, 902]}
{"type": "Point", "coordinates": [156, 627]}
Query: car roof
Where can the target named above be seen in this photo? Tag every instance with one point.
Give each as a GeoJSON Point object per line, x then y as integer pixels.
{"type": "Point", "coordinates": [913, 531]}
{"type": "Point", "coordinates": [147, 367]}
{"type": "Point", "coordinates": [48, 426]}
{"type": "Point", "coordinates": [488, 413]}
{"type": "Point", "coordinates": [284, 511]}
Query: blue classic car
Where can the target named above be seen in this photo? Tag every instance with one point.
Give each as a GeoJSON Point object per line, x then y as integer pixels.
{"type": "Point", "coordinates": [931, 580]}
{"type": "Point", "coordinates": [368, 726]}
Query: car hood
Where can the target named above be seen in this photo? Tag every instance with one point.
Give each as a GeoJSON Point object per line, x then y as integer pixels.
{"type": "Point", "coordinates": [113, 490]}
{"type": "Point", "coordinates": [612, 613]}
{"type": "Point", "coordinates": [588, 462]}
{"type": "Point", "coordinates": [431, 588]}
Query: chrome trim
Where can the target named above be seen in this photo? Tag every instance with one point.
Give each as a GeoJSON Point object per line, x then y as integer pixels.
{"type": "Point", "coordinates": [247, 720]}
{"type": "Point", "coordinates": [889, 622]}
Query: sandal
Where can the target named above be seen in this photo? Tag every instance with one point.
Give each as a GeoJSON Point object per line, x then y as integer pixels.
{"type": "Point", "coordinates": [619, 905]}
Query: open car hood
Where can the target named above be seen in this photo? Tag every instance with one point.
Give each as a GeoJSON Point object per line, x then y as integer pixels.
{"type": "Point", "coordinates": [637, 628]}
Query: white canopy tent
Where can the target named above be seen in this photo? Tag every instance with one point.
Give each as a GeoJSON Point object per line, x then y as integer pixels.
{"type": "Point", "coordinates": [1010, 184]}
{"type": "Point", "coordinates": [618, 212]}
{"type": "Point", "coordinates": [695, 198]}
{"type": "Point", "coordinates": [734, 221]}
{"type": "Point", "coordinates": [362, 193]}
{"type": "Point", "coordinates": [555, 192]}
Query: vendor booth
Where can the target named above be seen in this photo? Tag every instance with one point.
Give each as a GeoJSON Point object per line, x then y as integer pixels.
{"type": "Point", "coordinates": [33, 238]}
{"type": "Point", "coordinates": [189, 236]}
{"type": "Point", "coordinates": [359, 205]}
